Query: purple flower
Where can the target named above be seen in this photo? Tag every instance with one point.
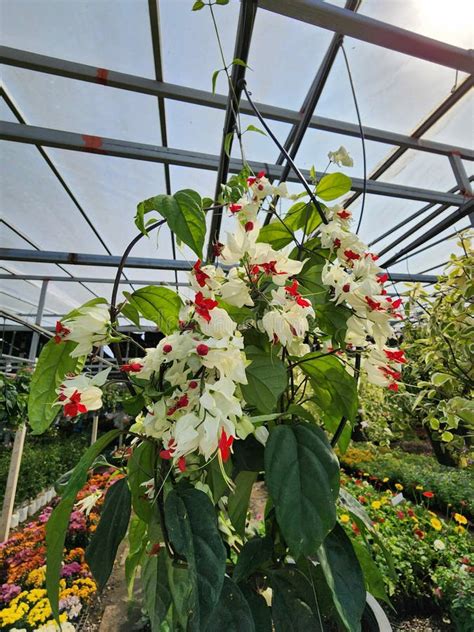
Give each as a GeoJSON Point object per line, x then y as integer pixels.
{"type": "Point", "coordinates": [8, 592]}
{"type": "Point", "coordinates": [74, 568]}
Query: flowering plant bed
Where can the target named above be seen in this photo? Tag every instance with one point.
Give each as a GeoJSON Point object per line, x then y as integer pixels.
{"type": "Point", "coordinates": [432, 555]}
{"type": "Point", "coordinates": [23, 599]}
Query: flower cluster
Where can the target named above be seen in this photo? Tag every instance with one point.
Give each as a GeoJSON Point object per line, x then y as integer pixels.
{"type": "Point", "coordinates": [81, 393]}
{"type": "Point", "coordinates": [23, 602]}
{"type": "Point", "coordinates": [357, 281]}
{"type": "Point", "coordinates": [89, 327]}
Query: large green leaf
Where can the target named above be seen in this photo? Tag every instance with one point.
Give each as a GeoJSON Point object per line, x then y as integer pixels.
{"type": "Point", "coordinates": [267, 379]}
{"type": "Point", "coordinates": [156, 589]}
{"type": "Point", "coordinates": [277, 234]}
{"type": "Point", "coordinates": [215, 480]}
{"type": "Point", "coordinates": [294, 606]}
{"type": "Point", "coordinates": [112, 528]}
{"type": "Point", "coordinates": [302, 476]}
{"type": "Point", "coordinates": [248, 456]}
{"type": "Point", "coordinates": [131, 312]}
{"type": "Point", "coordinates": [253, 555]}
{"type": "Point", "coordinates": [158, 304]}
{"type": "Point", "coordinates": [303, 215]}
{"type": "Point", "coordinates": [137, 542]}
{"type": "Point", "coordinates": [141, 468]}
{"type": "Point", "coordinates": [332, 320]}
{"type": "Point", "coordinates": [335, 391]}
{"type": "Point", "coordinates": [183, 213]}
{"type": "Point", "coordinates": [261, 613]}
{"type": "Point", "coordinates": [240, 315]}
{"type": "Point", "coordinates": [311, 284]}
{"type": "Point", "coordinates": [333, 185]}
{"type": "Point", "coordinates": [192, 526]}
{"type": "Point", "coordinates": [181, 590]}
{"type": "Point", "coordinates": [53, 364]}
{"type": "Point", "coordinates": [56, 527]}
{"type": "Point", "coordinates": [238, 503]}
{"type": "Point", "coordinates": [344, 576]}
{"type": "Point", "coordinates": [232, 613]}
{"type": "Point", "coordinates": [372, 576]}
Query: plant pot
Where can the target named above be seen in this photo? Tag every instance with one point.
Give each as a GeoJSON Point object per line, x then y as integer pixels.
{"type": "Point", "coordinates": [22, 513]}
{"type": "Point", "coordinates": [15, 520]}
{"type": "Point", "coordinates": [32, 508]}
{"type": "Point", "coordinates": [51, 494]}
{"type": "Point", "coordinates": [41, 500]}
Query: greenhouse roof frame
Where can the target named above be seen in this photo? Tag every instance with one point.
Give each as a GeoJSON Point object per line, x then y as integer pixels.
{"type": "Point", "coordinates": [344, 22]}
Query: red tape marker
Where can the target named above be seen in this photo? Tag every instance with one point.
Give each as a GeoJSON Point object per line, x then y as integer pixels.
{"type": "Point", "coordinates": [102, 75]}
{"type": "Point", "coordinates": [93, 144]}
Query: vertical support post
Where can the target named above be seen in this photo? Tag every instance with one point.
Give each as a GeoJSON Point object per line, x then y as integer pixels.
{"type": "Point", "coordinates": [39, 316]}
{"type": "Point", "coordinates": [12, 480]}
{"type": "Point", "coordinates": [462, 179]}
{"type": "Point", "coordinates": [95, 418]}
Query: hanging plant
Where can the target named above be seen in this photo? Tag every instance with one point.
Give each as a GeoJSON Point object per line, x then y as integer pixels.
{"type": "Point", "coordinates": [287, 314]}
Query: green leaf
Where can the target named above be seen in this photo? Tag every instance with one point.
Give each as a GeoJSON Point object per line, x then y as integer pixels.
{"type": "Point", "coordinates": [333, 185]}
{"type": "Point", "coordinates": [238, 503]}
{"type": "Point", "coordinates": [277, 234]}
{"type": "Point", "coordinates": [141, 468]}
{"type": "Point", "coordinates": [181, 589]}
{"type": "Point", "coordinates": [310, 280]}
{"type": "Point", "coordinates": [183, 213]}
{"type": "Point", "coordinates": [239, 62]}
{"type": "Point", "coordinates": [228, 142]}
{"type": "Point", "coordinates": [156, 590]}
{"type": "Point", "coordinates": [267, 379]}
{"type": "Point", "coordinates": [158, 304]}
{"type": "Point", "coordinates": [254, 554]}
{"type": "Point", "coordinates": [343, 574]}
{"type": "Point", "coordinates": [57, 525]}
{"type": "Point", "coordinates": [240, 315]}
{"type": "Point", "coordinates": [77, 311]}
{"type": "Point", "coordinates": [294, 607]}
{"type": "Point", "coordinates": [222, 1]}
{"type": "Point", "coordinates": [252, 128]}
{"type": "Point", "coordinates": [192, 527]}
{"type": "Point", "coordinates": [137, 541]}
{"type": "Point", "coordinates": [134, 405]}
{"type": "Point", "coordinates": [215, 480]}
{"type": "Point", "coordinates": [303, 214]}
{"type": "Point", "coordinates": [232, 613]}
{"type": "Point", "coordinates": [198, 5]}
{"type": "Point", "coordinates": [131, 312]}
{"type": "Point", "coordinates": [373, 578]}
{"type": "Point", "coordinates": [438, 379]}
{"type": "Point", "coordinates": [332, 320]}
{"type": "Point", "coordinates": [261, 613]}
{"type": "Point", "coordinates": [248, 456]}
{"type": "Point", "coordinates": [335, 391]}
{"type": "Point", "coordinates": [295, 458]}
{"type": "Point", "coordinates": [215, 74]}
{"type": "Point", "coordinates": [113, 524]}
{"type": "Point", "coordinates": [53, 364]}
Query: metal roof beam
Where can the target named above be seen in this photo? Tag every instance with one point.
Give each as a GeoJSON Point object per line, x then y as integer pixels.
{"type": "Point", "coordinates": [447, 222]}
{"type": "Point", "coordinates": [434, 243]}
{"type": "Point", "coordinates": [154, 153]}
{"type": "Point", "coordinates": [367, 29]}
{"type": "Point", "coordinates": [248, 10]}
{"type": "Point", "coordinates": [61, 279]}
{"type": "Point", "coordinates": [91, 74]}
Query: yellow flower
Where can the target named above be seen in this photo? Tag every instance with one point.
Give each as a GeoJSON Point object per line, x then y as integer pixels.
{"type": "Point", "coordinates": [459, 529]}
{"type": "Point", "coordinates": [398, 486]}
{"type": "Point", "coordinates": [385, 480]}
{"type": "Point", "coordinates": [37, 577]}
{"type": "Point", "coordinates": [460, 518]}
{"type": "Point", "coordinates": [436, 524]}
{"type": "Point", "coordinates": [432, 513]}
{"type": "Point", "coordinates": [345, 518]}
{"type": "Point", "coordinates": [419, 487]}
{"type": "Point", "coordinates": [376, 504]}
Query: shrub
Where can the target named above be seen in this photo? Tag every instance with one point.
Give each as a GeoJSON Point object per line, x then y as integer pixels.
{"type": "Point", "coordinates": [453, 488]}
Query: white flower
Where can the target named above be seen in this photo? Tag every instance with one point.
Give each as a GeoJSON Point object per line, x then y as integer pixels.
{"type": "Point", "coordinates": [206, 279]}
{"type": "Point", "coordinates": [89, 502]}
{"type": "Point", "coordinates": [341, 157]}
{"type": "Point", "coordinates": [235, 291]}
{"type": "Point", "coordinates": [90, 328]}
{"type": "Point", "coordinates": [227, 357]}
{"type": "Point", "coordinates": [220, 325]}
{"type": "Point", "coordinates": [261, 434]}
{"type": "Point", "coordinates": [81, 393]}
{"type": "Point", "coordinates": [439, 545]}
{"type": "Point", "coordinates": [149, 488]}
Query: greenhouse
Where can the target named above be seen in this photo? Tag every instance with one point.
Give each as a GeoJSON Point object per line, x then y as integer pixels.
{"type": "Point", "coordinates": [236, 311]}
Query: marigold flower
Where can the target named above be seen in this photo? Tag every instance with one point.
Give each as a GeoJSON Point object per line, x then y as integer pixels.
{"type": "Point", "coordinates": [419, 487]}
{"type": "Point", "coordinates": [460, 519]}
{"type": "Point", "coordinates": [345, 518]}
{"type": "Point", "coordinates": [398, 487]}
{"type": "Point", "coordinates": [436, 524]}
{"type": "Point", "coordinates": [376, 504]}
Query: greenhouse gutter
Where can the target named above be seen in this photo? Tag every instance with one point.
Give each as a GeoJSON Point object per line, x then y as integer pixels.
{"type": "Point", "coordinates": [167, 155]}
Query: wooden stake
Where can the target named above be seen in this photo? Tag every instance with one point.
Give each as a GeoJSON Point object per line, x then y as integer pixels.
{"type": "Point", "coordinates": [12, 481]}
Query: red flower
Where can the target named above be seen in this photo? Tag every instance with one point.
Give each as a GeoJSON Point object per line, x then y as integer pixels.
{"type": "Point", "coordinates": [248, 227]}
{"type": "Point", "coordinates": [346, 287]}
{"type": "Point", "coordinates": [202, 350]}
{"type": "Point", "coordinates": [351, 255]}
{"type": "Point", "coordinates": [428, 494]}
{"type": "Point", "coordinates": [168, 453]}
{"type": "Point", "coordinates": [225, 444]}
{"type": "Point", "coordinates": [419, 534]}
{"type": "Point", "coordinates": [396, 356]}
{"type": "Point", "coordinates": [374, 305]}
{"type": "Point", "coordinates": [182, 464]}
{"type": "Point", "coordinates": [337, 243]}
{"type": "Point", "coordinates": [155, 549]}
{"type": "Point", "coordinates": [204, 305]}
{"type": "Point", "coordinates": [411, 513]}
{"type": "Point", "coordinates": [292, 290]}
{"type": "Point", "coordinates": [260, 174]}
{"type": "Point", "coordinates": [388, 372]}
{"type": "Point", "coordinates": [74, 406]}
{"type": "Point", "coordinates": [400, 515]}
{"type": "Point", "coordinates": [382, 278]}
{"type": "Point", "coordinates": [344, 214]}
{"type": "Point", "coordinates": [199, 274]}
{"type": "Point", "coordinates": [393, 386]}
{"type": "Point", "coordinates": [235, 208]}
{"type": "Point", "coordinates": [61, 332]}
{"type": "Point", "coordinates": [134, 367]}
{"type": "Point", "coordinates": [217, 248]}
{"type": "Point", "coordinates": [355, 528]}
{"type": "Point", "coordinates": [193, 384]}
{"type": "Point", "coordinates": [167, 348]}
{"type": "Point", "coordinates": [362, 500]}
